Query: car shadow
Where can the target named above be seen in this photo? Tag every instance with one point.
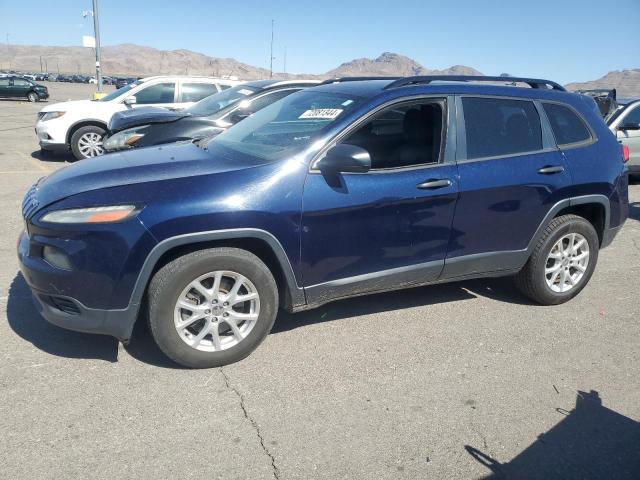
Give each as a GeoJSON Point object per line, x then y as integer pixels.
{"type": "Point", "coordinates": [591, 442]}
{"type": "Point", "coordinates": [53, 157]}
{"type": "Point", "coordinates": [634, 211]}
{"type": "Point", "coordinates": [500, 289]}
{"type": "Point", "coordinates": [25, 320]}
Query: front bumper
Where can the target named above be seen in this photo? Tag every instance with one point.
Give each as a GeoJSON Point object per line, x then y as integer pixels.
{"type": "Point", "coordinates": [60, 294]}
{"type": "Point", "coordinates": [66, 312]}
{"type": "Point", "coordinates": [51, 135]}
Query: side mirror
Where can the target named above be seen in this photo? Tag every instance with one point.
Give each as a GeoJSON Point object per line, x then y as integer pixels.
{"type": "Point", "coordinates": [132, 100]}
{"type": "Point", "coordinates": [239, 115]}
{"type": "Point", "coordinates": [629, 126]}
{"type": "Point", "coordinates": [345, 158]}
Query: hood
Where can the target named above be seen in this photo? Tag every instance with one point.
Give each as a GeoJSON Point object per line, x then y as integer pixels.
{"type": "Point", "coordinates": [138, 166]}
{"type": "Point", "coordinates": [74, 105]}
{"type": "Point", "coordinates": [136, 117]}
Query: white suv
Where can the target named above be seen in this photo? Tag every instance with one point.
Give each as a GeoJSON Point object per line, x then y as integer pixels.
{"type": "Point", "coordinates": [80, 125]}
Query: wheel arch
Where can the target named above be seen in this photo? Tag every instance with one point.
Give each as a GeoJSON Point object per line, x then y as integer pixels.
{"type": "Point", "coordinates": [594, 208]}
{"type": "Point", "coordinates": [259, 242]}
{"type": "Point", "coordinates": [84, 123]}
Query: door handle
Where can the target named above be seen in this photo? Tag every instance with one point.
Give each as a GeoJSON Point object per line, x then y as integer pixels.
{"type": "Point", "coordinates": [433, 184]}
{"type": "Point", "coordinates": [551, 169]}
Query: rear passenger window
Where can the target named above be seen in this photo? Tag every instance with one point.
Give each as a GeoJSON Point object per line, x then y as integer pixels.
{"type": "Point", "coordinates": [499, 126]}
{"type": "Point", "coordinates": [193, 92]}
{"type": "Point", "coordinates": [566, 125]}
{"type": "Point", "coordinates": [159, 93]}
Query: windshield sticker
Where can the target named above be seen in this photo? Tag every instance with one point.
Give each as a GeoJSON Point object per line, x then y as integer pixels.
{"type": "Point", "coordinates": [324, 113]}
{"type": "Point", "coordinates": [244, 91]}
{"type": "Point", "coordinates": [347, 103]}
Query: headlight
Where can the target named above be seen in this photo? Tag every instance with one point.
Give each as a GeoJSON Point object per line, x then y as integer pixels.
{"type": "Point", "coordinates": [112, 214]}
{"type": "Point", "coordinates": [123, 139]}
{"type": "Point", "coordinates": [44, 116]}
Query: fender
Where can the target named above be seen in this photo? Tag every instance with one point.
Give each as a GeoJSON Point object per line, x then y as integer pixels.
{"type": "Point", "coordinates": [296, 293]}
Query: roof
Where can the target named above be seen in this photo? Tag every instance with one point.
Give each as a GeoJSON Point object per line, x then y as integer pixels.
{"type": "Point", "coordinates": [271, 83]}
{"type": "Point", "coordinates": [543, 89]}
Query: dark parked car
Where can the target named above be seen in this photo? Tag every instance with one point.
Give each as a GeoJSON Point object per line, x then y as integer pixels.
{"type": "Point", "coordinates": [144, 127]}
{"type": "Point", "coordinates": [123, 82]}
{"type": "Point", "coordinates": [18, 87]}
{"type": "Point", "coordinates": [339, 190]}
{"type": "Point", "coordinates": [605, 99]}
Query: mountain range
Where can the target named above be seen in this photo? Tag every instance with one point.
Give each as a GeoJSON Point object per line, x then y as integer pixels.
{"type": "Point", "coordinates": [135, 60]}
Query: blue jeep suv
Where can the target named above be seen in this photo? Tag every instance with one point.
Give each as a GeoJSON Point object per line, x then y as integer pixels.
{"type": "Point", "coordinates": [351, 187]}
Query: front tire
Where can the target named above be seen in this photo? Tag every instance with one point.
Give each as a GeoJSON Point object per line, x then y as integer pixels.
{"type": "Point", "coordinates": [212, 307]}
{"type": "Point", "coordinates": [86, 142]}
{"type": "Point", "coordinates": [562, 261]}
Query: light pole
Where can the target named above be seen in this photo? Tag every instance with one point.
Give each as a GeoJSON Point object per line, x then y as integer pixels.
{"type": "Point", "coordinates": [96, 32]}
{"type": "Point", "coordinates": [271, 57]}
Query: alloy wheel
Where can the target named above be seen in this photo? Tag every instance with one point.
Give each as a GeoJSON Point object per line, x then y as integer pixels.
{"type": "Point", "coordinates": [90, 144]}
{"type": "Point", "coordinates": [567, 262]}
{"type": "Point", "coordinates": [216, 311]}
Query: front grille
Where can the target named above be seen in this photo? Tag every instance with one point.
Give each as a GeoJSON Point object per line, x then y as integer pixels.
{"type": "Point", "coordinates": [30, 201]}
{"type": "Point", "coordinates": [64, 305]}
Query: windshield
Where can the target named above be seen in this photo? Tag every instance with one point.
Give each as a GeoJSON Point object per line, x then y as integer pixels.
{"type": "Point", "coordinates": [118, 92]}
{"type": "Point", "coordinates": [288, 125]}
{"type": "Point", "coordinates": [216, 102]}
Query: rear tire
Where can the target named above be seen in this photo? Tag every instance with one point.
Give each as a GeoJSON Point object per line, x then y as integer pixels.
{"type": "Point", "coordinates": [32, 97]}
{"type": "Point", "coordinates": [558, 269]}
{"type": "Point", "coordinates": [195, 345]}
{"type": "Point", "coordinates": [86, 142]}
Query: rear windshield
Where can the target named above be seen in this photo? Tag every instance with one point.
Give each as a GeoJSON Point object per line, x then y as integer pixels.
{"type": "Point", "coordinates": [289, 125]}
{"type": "Point", "coordinates": [214, 103]}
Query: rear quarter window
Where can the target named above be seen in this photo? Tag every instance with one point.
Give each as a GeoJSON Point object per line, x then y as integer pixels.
{"type": "Point", "coordinates": [500, 127]}
{"type": "Point", "coordinates": [567, 126]}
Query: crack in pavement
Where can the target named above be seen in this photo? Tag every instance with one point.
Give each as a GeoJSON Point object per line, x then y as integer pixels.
{"type": "Point", "coordinates": [254, 424]}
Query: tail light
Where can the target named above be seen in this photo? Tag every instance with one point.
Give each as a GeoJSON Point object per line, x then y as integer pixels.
{"type": "Point", "coordinates": [625, 153]}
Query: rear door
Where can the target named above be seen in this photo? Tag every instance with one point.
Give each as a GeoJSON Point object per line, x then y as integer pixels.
{"type": "Point", "coordinates": [511, 174]}
{"type": "Point", "coordinates": [20, 87]}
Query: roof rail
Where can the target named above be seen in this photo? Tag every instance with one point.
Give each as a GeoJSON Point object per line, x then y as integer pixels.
{"type": "Point", "coordinates": [357, 79]}
{"type": "Point", "coordinates": [426, 79]}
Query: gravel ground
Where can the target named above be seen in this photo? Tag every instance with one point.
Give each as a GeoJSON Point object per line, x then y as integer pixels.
{"type": "Point", "coordinates": [458, 381]}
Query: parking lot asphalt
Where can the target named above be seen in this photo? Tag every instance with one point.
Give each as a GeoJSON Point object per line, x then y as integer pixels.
{"type": "Point", "coordinates": [457, 381]}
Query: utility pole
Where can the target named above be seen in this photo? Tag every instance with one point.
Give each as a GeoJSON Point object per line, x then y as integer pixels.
{"type": "Point", "coordinates": [40, 63]}
{"type": "Point", "coordinates": [271, 58]}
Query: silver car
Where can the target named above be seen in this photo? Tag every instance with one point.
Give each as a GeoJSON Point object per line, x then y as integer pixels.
{"type": "Point", "coordinates": [625, 124]}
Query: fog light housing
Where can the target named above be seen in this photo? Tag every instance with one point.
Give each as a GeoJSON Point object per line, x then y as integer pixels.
{"type": "Point", "coordinates": [55, 257]}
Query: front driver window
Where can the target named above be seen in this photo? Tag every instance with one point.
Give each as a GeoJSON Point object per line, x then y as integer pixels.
{"type": "Point", "coordinates": [158, 93]}
{"type": "Point", "coordinates": [403, 135]}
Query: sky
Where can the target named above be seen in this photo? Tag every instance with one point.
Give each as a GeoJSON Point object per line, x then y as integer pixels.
{"type": "Point", "coordinates": [563, 40]}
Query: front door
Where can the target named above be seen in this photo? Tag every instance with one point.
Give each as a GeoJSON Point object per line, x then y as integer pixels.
{"type": "Point", "coordinates": [391, 226]}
